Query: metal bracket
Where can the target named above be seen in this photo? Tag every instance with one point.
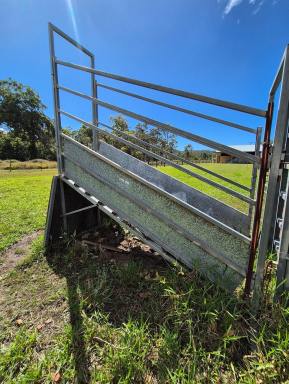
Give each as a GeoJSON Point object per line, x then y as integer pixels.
{"type": "Point", "coordinates": [79, 210]}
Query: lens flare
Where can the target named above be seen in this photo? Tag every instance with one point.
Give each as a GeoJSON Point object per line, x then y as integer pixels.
{"type": "Point", "coordinates": [71, 12]}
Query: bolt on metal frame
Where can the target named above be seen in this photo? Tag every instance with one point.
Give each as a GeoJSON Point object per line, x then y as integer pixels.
{"type": "Point", "coordinates": [259, 162]}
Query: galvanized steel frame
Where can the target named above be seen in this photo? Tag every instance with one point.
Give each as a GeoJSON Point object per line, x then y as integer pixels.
{"type": "Point", "coordinates": [248, 200]}
{"type": "Point", "coordinates": [275, 185]}
{"type": "Point", "coordinates": [95, 125]}
{"type": "Point", "coordinates": [109, 178]}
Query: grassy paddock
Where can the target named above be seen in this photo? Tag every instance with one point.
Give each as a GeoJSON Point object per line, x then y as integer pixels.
{"type": "Point", "coordinates": [90, 317]}
{"type": "Point", "coordinates": [240, 173]}
{"type": "Point", "coordinates": [23, 203]}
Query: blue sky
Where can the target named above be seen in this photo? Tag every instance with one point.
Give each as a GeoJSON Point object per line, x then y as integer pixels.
{"type": "Point", "coordinates": [228, 49]}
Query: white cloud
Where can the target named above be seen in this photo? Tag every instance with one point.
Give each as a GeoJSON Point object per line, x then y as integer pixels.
{"type": "Point", "coordinates": [230, 5]}
{"type": "Point", "coordinates": [257, 4]}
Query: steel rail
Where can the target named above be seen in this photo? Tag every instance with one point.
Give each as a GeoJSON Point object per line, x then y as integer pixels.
{"type": "Point", "coordinates": [184, 204]}
{"type": "Point", "coordinates": [173, 91]}
{"type": "Point", "coordinates": [135, 228]}
{"type": "Point", "coordinates": [199, 243]}
{"type": "Point", "coordinates": [177, 157]}
{"type": "Point", "coordinates": [161, 158]}
{"type": "Point", "coordinates": [278, 76]}
{"type": "Point", "coordinates": [78, 210]}
{"type": "Point", "coordinates": [179, 109]}
{"type": "Point", "coordinates": [170, 128]}
{"type": "Point", "coordinates": [276, 81]}
{"type": "Point", "coordinates": [70, 40]}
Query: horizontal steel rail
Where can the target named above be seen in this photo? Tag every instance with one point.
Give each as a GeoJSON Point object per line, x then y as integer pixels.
{"type": "Point", "coordinates": [176, 92]}
{"type": "Point", "coordinates": [191, 208]}
{"type": "Point", "coordinates": [176, 108]}
{"type": "Point", "coordinates": [161, 158]}
{"type": "Point", "coordinates": [199, 243]}
{"type": "Point", "coordinates": [177, 157]}
{"type": "Point", "coordinates": [70, 40]}
{"type": "Point", "coordinates": [170, 128]}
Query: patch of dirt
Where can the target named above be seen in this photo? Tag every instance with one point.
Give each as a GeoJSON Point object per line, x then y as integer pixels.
{"type": "Point", "coordinates": [17, 252]}
{"type": "Point", "coordinates": [117, 247]}
{"type": "Point", "coordinates": [55, 287]}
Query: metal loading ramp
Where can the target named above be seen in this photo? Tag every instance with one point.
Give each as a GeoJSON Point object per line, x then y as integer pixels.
{"type": "Point", "coordinates": [178, 221]}
{"type": "Point", "coordinates": [187, 233]}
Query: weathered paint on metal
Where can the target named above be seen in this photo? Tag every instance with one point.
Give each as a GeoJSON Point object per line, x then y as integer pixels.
{"type": "Point", "coordinates": [274, 176]}
{"type": "Point", "coordinates": [259, 203]}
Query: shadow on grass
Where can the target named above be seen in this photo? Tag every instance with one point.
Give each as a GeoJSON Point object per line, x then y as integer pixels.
{"type": "Point", "coordinates": [78, 345]}
{"type": "Point", "coordinates": [140, 286]}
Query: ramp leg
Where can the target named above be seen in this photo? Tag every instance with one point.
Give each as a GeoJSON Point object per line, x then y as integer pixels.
{"type": "Point", "coordinates": [68, 212]}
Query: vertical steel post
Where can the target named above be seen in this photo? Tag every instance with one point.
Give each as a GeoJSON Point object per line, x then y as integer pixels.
{"type": "Point", "coordinates": [57, 118]}
{"type": "Point", "coordinates": [274, 178]}
{"type": "Point", "coordinates": [95, 136]}
{"type": "Point", "coordinates": [282, 282]}
{"type": "Point", "coordinates": [254, 172]}
{"type": "Point", "coordinates": [259, 201]}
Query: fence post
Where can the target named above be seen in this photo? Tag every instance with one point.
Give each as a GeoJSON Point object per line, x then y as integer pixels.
{"type": "Point", "coordinates": [57, 119]}
{"type": "Point", "coordinates": [274, 178]}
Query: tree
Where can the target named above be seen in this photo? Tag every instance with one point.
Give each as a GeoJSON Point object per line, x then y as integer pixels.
{"type": "Point", "coordinates": [13, 147]}
{"type": "Point", "coordinates": [161, 138]}
{"type": "Point", "coordinates": [188, 151]}
{"type": "Point", "coordinates": [84, 135]}
{"type": "Point", "coordinates": [119, 125]}
{"type": "Point", "coordinates": [22, 115]}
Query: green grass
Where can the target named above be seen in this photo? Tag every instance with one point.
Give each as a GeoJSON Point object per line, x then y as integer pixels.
{"type": "Point", "coordinates": [240, 173]}
{"type": "Point", "coordinates": [95, 318]}
{"type": "Point", "coordinates": [23, 203]}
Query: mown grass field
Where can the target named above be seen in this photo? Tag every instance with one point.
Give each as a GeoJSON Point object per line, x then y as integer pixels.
{"type": "Point", "coordinates": [82, 316]}
{"type": "Point", "coordinates": [23, 203]}
{"type": "Point", "coordinates": [240, 173]}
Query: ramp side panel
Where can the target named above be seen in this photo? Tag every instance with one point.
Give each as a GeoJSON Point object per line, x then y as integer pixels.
{"type": "Point", "coordinates": [215, 208]}
{"type": "Point", "coordinates": [172, 242]}
{"type": "Point", "coordinates": [111, 186]}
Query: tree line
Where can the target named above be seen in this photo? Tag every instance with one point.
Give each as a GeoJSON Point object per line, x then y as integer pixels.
{"type": "Point", "coordinates": [27, 133]}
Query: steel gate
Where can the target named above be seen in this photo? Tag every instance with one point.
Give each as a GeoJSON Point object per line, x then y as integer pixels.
{"type": "Point", "coordinates": [275, 231]}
